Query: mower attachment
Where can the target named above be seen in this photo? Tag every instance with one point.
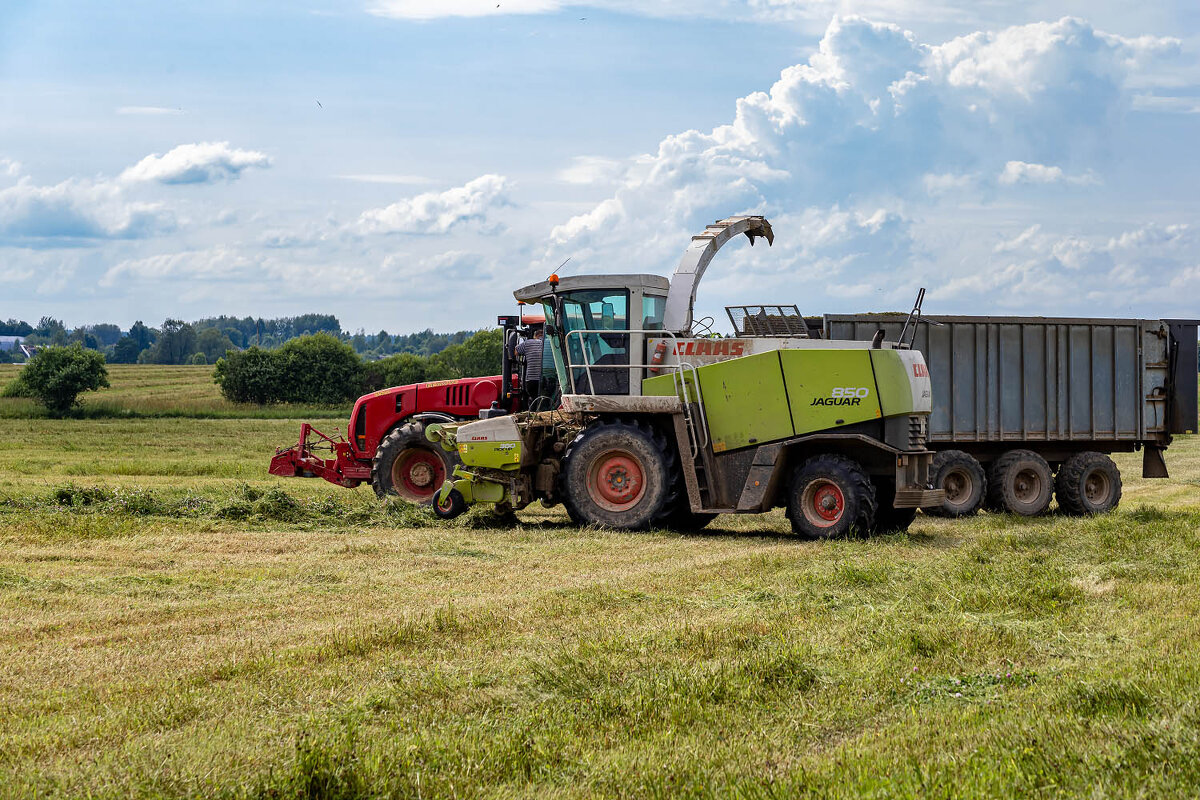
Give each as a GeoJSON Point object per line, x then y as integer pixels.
{"type": "Point", "coordinates": [301, 461]}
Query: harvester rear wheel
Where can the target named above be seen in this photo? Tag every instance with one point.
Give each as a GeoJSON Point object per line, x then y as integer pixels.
{"type": "Point", "coordinates": [1020, 482]}
{"type": "Point", "coordinates": [964, 481]}
{"type": "Point", "coordinates": [618, 474]}
{"type": "Point", "coordinates": [1088, 483]}
{"type": "Point", "coordinates": [831, 496]}
{"type": "Point", "coordinates": [410, 466]}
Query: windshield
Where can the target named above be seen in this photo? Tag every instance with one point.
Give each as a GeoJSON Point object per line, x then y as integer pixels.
{"type": "Point", "coordinates": [598, 310]}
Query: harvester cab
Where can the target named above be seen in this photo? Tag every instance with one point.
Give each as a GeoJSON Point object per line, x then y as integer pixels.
{"type": "Point", "coordinates": [662, 425]}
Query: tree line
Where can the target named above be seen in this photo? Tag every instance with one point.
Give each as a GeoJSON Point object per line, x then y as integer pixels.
{"type": "Point", "coordinates": [321, 368]}
{"type": "Point", "coordinates": [206, 340]}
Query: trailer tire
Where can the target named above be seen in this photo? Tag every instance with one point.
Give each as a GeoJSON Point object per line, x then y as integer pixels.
{"type": "Point", "coordinates": [1088, 483]}
{"type": "Point", "coordinates": [964, 481]}
{"type": "Point", "coordinates": [831, 496]}
{"type": "Point", "coordinates": [1021, 483]}
{"type": "Point", "coordinates": [408, 465]}
{"type": "Point", "coordinates": [619, 474]}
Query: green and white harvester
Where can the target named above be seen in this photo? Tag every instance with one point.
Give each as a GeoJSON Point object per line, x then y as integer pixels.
{"type": "Point", "coordinates": [662, 425]}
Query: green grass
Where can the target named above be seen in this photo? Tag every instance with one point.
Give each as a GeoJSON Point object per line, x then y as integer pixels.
{"type": "Point", "coordinates": [174, 623]}
{"type": "Point", "coordinates": [151, 390]}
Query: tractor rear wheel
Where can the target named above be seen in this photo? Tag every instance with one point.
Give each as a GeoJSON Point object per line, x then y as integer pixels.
{"type": "Point", "coordinates": [1021, 482]}
{"type": "Point", "coordinates": [1088, 483]}
{"type": "Point", "coordinates": [619, 474]}
{"type": "Point", "coordinates": [831, 496]}
{"type": "Point", "coordinates": [410, 466]}
{"type": "Point", "coordinates": [964, 481]}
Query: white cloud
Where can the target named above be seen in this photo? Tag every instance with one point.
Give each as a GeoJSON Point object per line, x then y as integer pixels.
{"type": "Point", "coordinates": [76, 210]}
{"type": "Point", "coordinates": [843, 150]}
{"type": "Point", "coordinates": [205, 162]}
{"type": "Point", "coordinates": [391, 178]}
{"type": "Point", "coordinates": [9, 168]}
{"type": "Point", "coordinates": [148, 111]}
{"type": "Point", "coordinates": [1023, 172]}
{"type": "Point", "coordinates": [220, 263]}
{"type": "Point", "coordinates": [438, 212]}
{"type": "Point", "coordinates": [591, 170]}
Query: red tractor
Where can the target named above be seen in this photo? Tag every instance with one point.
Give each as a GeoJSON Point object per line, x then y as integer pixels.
{"type": "Point", "coordinates": [387, 444]}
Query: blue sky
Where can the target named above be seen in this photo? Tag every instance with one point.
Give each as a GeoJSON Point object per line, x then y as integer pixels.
{"type": "Point", "coordinates": [406, 164]}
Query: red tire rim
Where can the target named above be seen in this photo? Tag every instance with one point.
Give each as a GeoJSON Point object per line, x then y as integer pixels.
{"type": "Point", "coordinates": [823, 503]}
{"type": "Point", "coordinates": [616, 481]}
{"type": "Point", "coordinates": [417, 474]}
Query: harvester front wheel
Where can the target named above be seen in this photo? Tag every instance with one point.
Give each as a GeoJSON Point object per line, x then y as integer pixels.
{"type": "Point", "coordinates": [454, 505]}
{"type": "Point", "coordinates": [831, 496]}
{"type": "Point", "coordinates": [617, 474]}
{"type": "Point", "coordinates": [408, 465]}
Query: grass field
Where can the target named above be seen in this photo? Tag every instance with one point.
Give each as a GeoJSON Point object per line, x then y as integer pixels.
{"type": "Point", "coordinates": [173, 622]}
{"type": "Point", "coordinates": [151, 390]}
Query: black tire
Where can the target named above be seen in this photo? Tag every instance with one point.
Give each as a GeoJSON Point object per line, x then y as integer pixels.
{"type": "Point", "coordinates": [964, 481]}
{"type": "Point", "coordinates": [684, 520]}
{"type": "Point", "coordinates": [453, 506]}
{"type": "Point", "coordinates": [831, 496]}
{"type": "Point", "coordinates": [620, 474]}
{"type": "Point", "coordinates": [888, 518]}
{"type": "Point", "coordinates": [408, 465]}
{"type": "Point", "coordinates": [1021, 483]}
{"type": "Point", "coordinates": [1088, 483]}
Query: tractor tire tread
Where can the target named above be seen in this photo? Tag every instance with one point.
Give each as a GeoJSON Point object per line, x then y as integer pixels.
{"type": "Point", "coordinates": [572, 487]}
{"type": "Point", "coordinates": [397, 441]}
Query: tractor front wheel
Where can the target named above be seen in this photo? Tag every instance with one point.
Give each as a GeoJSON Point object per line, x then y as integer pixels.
{"type": "Point", "coordinates": [618, 474]}
{"type": "Point", "coordinates": [410, 466]}
{"type": "Point", "coordinates": [830, 496]}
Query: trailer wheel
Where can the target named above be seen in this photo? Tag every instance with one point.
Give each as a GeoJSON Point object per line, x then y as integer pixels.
{"type": "Point", "coordinates": [1021, 482]}
{"type": "Point", "coordinates": [831, 496]}
{"type": "Point", "coordinates": [1088, 483]}
{"type": "Point", "coordinates": [964, 481]}
{"type": "Point", "coordinates": [888, 518]}
{"type": "Point", "coordinates": [410, 466]}
{"type": "Point", "coordinates": [618, 474]}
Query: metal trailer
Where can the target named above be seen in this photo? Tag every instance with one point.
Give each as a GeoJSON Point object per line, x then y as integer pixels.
{"type": "Point", "coordinates": [1013, 396]}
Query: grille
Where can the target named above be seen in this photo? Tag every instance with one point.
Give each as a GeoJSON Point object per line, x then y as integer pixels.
{"type": "Point", "coordinates": [918, 431]}
{"type": "Point", "coordinates": [457, 395]}
{"type": "Point", "coordinates": [767, 321]}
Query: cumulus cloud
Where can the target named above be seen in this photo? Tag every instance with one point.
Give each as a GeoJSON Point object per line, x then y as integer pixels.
{"type": "Point", "coordinates": [76, 210]}
{"type": "Point", "coordinates": [590, 170]}
{"type": "Point", "coordinates": [844, 147]}
{"type": "Point", "coordinates": [205, 162]}
{"type": "Point", "coordinates": [438, 212]}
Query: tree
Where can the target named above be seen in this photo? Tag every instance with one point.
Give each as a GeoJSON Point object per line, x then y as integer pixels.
{"type": "Point", "coordinates": [142, 335]}
{"type": "Point", "coordinates": [251, 376]}
{"type": "Point", "coordinates": [477, 356]}
{"type": "Point", "coordinates": [58, 375]}
{"type": "Point", "coordinates": [125, 351]}
{"type": "Point", "coordinates": [176, 344]}
{"type": "Point", "coordinates": [14, 327]}
{"type": "Point", "coordinates": [212, 344]}
{"type": "Point", "coordinates": [199, 360]}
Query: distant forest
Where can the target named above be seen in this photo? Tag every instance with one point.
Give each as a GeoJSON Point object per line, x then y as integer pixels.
{"type": "Point", "coordinates": [205, 340]}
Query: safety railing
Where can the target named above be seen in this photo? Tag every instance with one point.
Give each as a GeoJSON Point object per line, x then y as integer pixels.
{"type": "Point", "coordinates": [680, 371]}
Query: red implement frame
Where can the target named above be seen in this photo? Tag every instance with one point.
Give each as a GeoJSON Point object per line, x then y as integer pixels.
{"type": "Point", "coordinates": [302, 462]}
